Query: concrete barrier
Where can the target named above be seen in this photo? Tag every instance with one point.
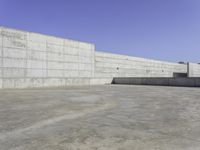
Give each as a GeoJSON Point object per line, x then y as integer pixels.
{"type": "Point", "coordinates": [186, 82]}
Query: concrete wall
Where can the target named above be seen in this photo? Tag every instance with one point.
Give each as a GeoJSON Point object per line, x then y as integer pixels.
{"type": "Point", "coordinates": [113, 65]}
{"type": "Point", "coordinates": [193, 70]}
{"type": "Point", "coordinates": [35, 60]}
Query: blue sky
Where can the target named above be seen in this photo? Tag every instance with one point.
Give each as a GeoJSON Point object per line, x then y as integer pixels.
{"type": "Point", "coordinates": [158, 29]}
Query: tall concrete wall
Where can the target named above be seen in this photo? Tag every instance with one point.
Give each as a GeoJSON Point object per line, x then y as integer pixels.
{"type": "Point", "coordinates": [35, 60]}
{"type": "Point", "coordinates": [113, 65]}
{"type": "Point", "coordinates": [193, 70]}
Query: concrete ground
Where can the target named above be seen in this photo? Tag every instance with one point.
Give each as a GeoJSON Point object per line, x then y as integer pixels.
{"type": "Point", "coordinates": [112, 117]}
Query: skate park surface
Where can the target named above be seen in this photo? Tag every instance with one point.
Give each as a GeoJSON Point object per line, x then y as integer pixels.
{"type": "Point", "coordinates": [114, 117]}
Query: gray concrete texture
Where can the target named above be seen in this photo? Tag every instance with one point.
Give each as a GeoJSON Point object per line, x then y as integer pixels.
{"type": "Point", "coordinates": [193, 70]}
{"type": "Point", "coordinates": [34, 60]}
{"type": "Point", "coordinates": [100, 117]}
{"type": "Point", "coordinates": [31, 60]}
{"type": "Point", "coordinates": [113, 65]}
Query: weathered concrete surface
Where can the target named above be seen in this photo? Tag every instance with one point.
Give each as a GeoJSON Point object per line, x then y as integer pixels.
{"type": "Point", "coordinates": [100, 117]}
{"type": "Point", "coordinates": [34, 60]}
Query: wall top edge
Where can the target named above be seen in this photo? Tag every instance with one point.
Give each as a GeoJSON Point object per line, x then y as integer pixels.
{"type": "Point", "coordinates": [21, 30]}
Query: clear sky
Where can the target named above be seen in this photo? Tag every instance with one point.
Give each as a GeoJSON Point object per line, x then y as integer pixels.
{"type": "Point", "coordinates": [158, 29]}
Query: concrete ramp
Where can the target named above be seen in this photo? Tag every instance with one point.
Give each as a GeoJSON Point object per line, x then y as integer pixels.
{"type": "Point", "coordinates": [186, 82]}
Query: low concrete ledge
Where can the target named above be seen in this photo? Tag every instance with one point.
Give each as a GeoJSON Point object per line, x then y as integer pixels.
{"type": "Point", "coordinates": [186, 82]}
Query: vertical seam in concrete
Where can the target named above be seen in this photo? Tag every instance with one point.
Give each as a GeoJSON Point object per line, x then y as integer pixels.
{"type": "Point", "coordinates": [188, 69]}
{"type": "Point", "coordinates": [79, 62]}
{"type": "Point", "coordinates": [26, 59]}
{"type": "Point", "coordinates": [63, 64]}
{"type": "Point", "coordinates": [94, 61]}
{"type": "Point", "coordinates": [64, 77]}
{"type": "Point", "coordinates": [46, 57]}
{"type": "Point", "coordinates": [92, 65]}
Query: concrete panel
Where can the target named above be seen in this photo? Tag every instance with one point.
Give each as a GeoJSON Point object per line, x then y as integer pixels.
{"type": "Point", "coordinates": [36, 46]}
{"type": "Point", "coordinates": [39, 73]}
{"type": "Point", "coordinates": [85, 59]}
{"type": "Point", "coordinates": [13, 72]}
{"type": "Point", "coordinates": [36, 55]}
{"type": "Point", "coordinates": [77, 81]}
{"type": "Point", "coordinates": [71, 73]}
{"type": "Point", "coordinates": [55, 48]}
{"type": "Point", "coordinates": [55, 73]}
{"type": "Point", "coordinates": [1, 83]}
{"type": "Point", "coordinates": [193, 70]}
{"type": "Point", "coordinates": [14, 53]}
{"type": "Point", "coordinates": [19, 83]}
{"type": "Point", "coordinates": [34, 82]}
{"type": "Point", "coordinates": [14, 63]}
{"type": "Point", "coordinates": [55, 56]}
{"type": "Point", "coordinates": [8, 83]}
{"type": "Point", "coordinates": [36, 64]}
{"type": "Point", "coordinates": [84, 73]}
{"type": "Point", "coordinates": [83, 66]}
{"type": "Point", "coordinates": [1, 62]}
{"type": "Point", "coordinates": [38, 38]}
{"type": "Point", "coordinates": [85, 53]}
{"type": "Point", "coordinates": [71, 43]}
{"type": "Point", "coordinates": [1, 41]}
{"type": "Point", "coordinates": [71, 66]}
{"type": "Point", "coordinates": [54, 82]}
{"type": "Point", "coordinates": [83, 45]}
{"type": "Point", "coordinates": [55, 65]}
{"type": "Point", "coordinates": [71, 58]}
{"type": "Point", "coordinates": [14, 43]}
{"type": "Point", "coordinates": [12, 34]}
{"type": "Point", "coordinates": [70, 50]}
{"type": "Point", "coordinates": [54, 40]}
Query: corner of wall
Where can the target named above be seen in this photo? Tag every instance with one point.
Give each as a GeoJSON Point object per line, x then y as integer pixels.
{"type": "Point", "coordinates": [193, 70]}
